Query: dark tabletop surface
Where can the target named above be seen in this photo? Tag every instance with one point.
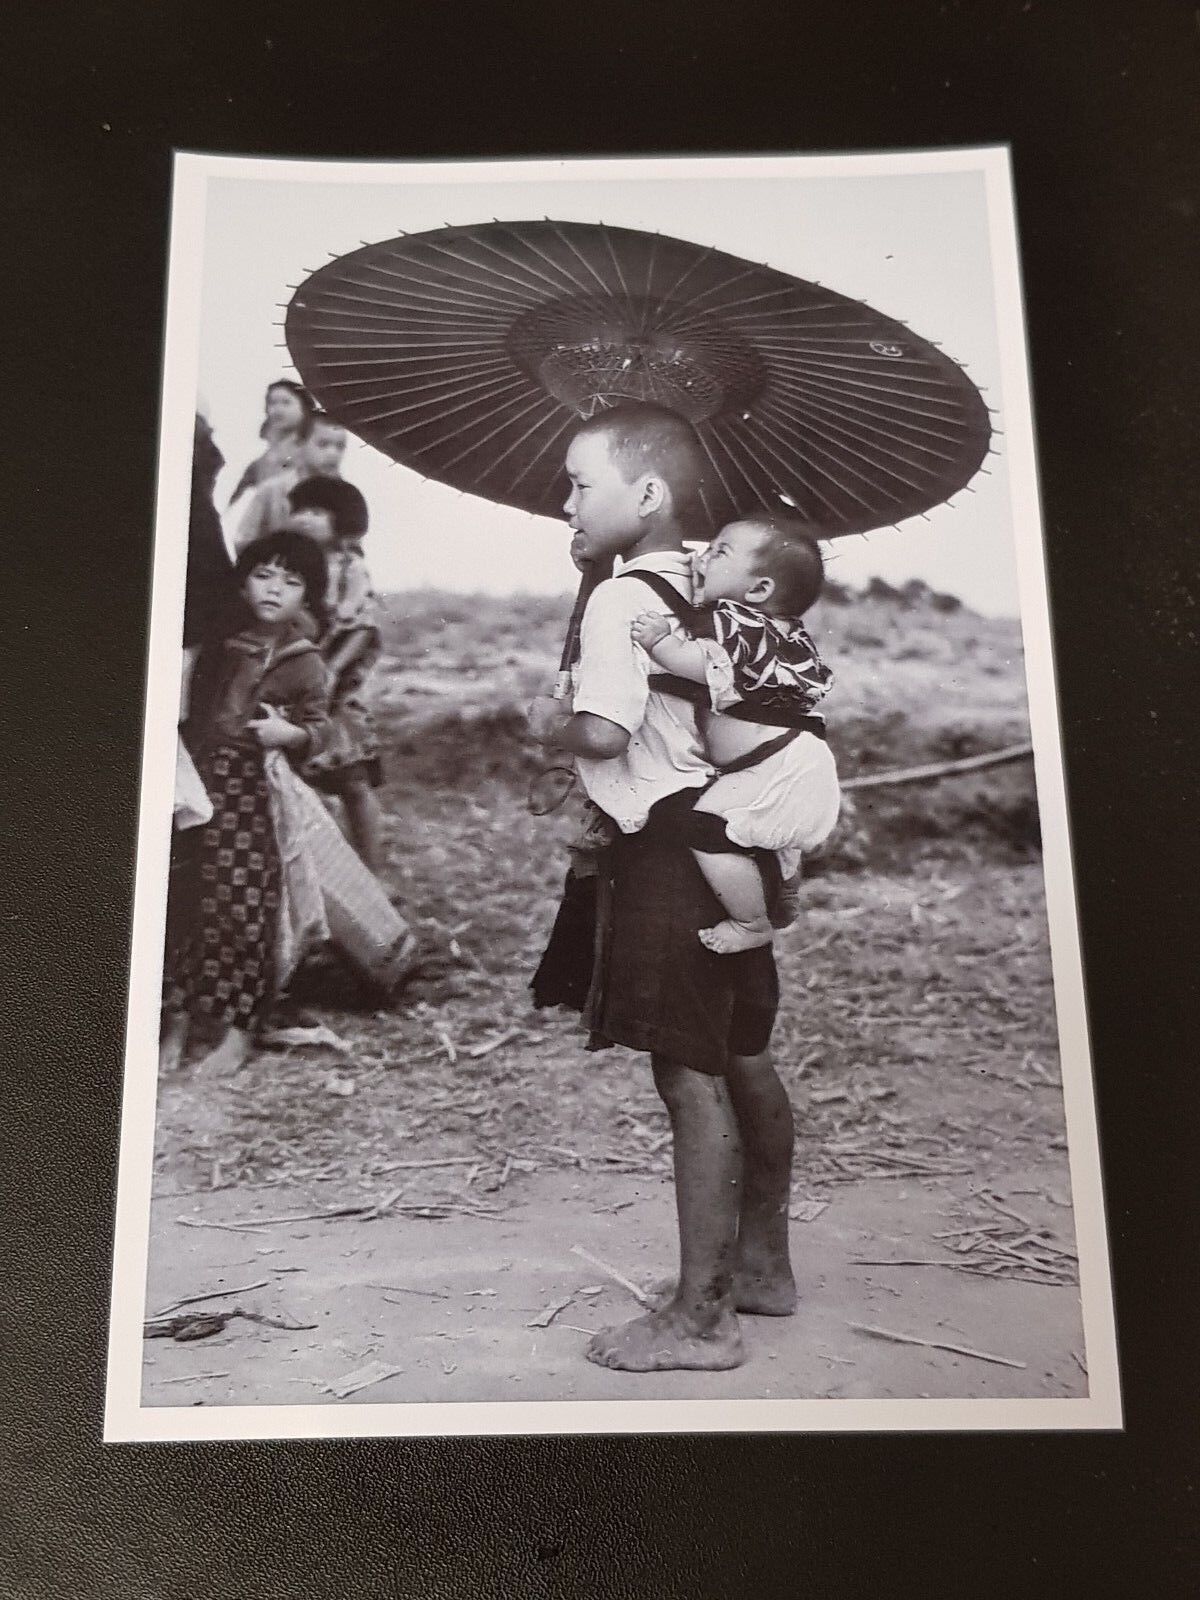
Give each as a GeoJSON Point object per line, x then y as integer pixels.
{"type": "Point", "coordinates": [1098, 101]}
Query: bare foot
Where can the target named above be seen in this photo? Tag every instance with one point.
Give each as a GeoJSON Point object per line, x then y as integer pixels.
{"type": "Point", "coordinates": [229, 1054]}
{"type": "Point", "coordinates": [765, 1288]}
{"type": "Point", "coordinates": [173, 1044]}
{"type": "Point", "coordinates": [755, 1294]}
{"type": "Point", "coordinates": [727, 937]}
{"type": "Point", "coordinates": [666, 1340]}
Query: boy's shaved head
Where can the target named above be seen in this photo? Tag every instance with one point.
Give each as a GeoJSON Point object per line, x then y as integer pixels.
{"type": "Point", "coordinates": [789, 553]}
{"type": "Point", "coordinates": [647, 438]}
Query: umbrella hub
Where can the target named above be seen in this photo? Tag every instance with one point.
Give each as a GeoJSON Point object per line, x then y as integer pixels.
{"type": "Point", "coordinates": [592, 353]}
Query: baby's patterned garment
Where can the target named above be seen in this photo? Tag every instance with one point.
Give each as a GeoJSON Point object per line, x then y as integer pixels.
{"type": "Point", "coordinates": [773, 659]}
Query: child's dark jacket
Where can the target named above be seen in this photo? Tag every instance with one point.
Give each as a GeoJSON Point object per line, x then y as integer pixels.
{"type": "Point", "coordinates": [234, 679]}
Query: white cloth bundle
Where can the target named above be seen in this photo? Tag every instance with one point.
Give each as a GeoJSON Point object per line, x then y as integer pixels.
{"type": "Point", "coordinates": [192, 807]}
{"type": "Point", "coordinates": [327, 892]}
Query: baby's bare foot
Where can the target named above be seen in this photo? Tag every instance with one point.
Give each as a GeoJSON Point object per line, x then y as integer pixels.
{"type": "Point", "coordinates": [727, 937]}
{"type": "Point", "coordinates": [665, 1340]}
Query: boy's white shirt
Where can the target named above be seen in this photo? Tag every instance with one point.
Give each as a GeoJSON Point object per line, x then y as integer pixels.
{"type": "Point", "coordinates": [665, 752]}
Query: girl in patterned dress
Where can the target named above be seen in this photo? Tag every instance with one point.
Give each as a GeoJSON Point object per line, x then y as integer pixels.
{"type": "Point", "coordinates": [761, 677]}
{"type": "Point", "coordinates": [262, 688]}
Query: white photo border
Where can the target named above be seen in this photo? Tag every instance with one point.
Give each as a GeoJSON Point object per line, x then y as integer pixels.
{"type": "Point", "coordinates": [125, 1418]}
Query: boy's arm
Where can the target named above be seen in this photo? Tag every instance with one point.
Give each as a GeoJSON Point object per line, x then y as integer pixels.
{"type": "Point", "coordinates": [610, 688]}
{"type": "Point", "coordinates": [553, 724]}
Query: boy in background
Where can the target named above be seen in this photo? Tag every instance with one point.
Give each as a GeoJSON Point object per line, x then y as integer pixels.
{"type": "Point", "coordinates": [320, 456]}
{"type": "Point", "coordinates": [334, 514]}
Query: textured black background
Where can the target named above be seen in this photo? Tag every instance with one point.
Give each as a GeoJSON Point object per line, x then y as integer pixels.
{"type": "Point", "coordinates": [1099, 102]}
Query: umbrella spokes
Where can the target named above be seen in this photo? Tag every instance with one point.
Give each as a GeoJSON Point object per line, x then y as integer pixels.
{"type": "Point", "coordinates": [470, 353]}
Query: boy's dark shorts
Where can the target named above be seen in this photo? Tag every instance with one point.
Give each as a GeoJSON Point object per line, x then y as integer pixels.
{"type": "Point", "coordinates": [655, 987]}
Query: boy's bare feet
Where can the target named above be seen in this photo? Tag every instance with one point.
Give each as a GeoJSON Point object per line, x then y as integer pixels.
{"type": "Point", "coordinates": [666, 1340]}
{"type": "Point", "coordinates": [769, 1293]}
{"type": "Point", "coordinates": [727, 937]}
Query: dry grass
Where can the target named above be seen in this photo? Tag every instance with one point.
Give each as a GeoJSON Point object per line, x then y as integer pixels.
{"type": "Point", "coordinates": [918, 1029]}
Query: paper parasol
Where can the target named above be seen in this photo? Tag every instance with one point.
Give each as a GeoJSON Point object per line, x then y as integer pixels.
{"type": "Point", "coordinates": [470, 353]}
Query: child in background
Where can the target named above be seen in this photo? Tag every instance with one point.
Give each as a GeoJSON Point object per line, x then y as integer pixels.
{"type": "Point", "coordinates": [263, 688]}
{"type": "Point", "coordinates": [777, 787]}
{"type": "Point", "coordinates": [287, 417]}
{"type": "Point", "coordinates": [334, 513]}
{"type": "Point", "coordinates": [320, 456]}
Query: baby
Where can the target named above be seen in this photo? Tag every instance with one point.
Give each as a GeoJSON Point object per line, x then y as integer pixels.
{"type": "Point", "coordinates": [761, 677]}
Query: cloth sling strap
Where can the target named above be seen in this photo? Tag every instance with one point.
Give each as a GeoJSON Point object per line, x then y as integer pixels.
{"type": "Point", "coordinates": [685, 689]}
{"type": "Point", "coordinates": [753, 758]}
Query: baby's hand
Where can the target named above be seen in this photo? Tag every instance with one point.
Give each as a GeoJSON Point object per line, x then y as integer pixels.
{"type": "Point", "coordinates": [649, 629]}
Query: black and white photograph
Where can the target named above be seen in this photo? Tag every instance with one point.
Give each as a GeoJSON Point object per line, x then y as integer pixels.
{"type": "Point", "coordinates": [604, 949]}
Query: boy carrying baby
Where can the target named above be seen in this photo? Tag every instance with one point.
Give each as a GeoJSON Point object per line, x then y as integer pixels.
{"type": "Point", "coordinates": [705, 1018]}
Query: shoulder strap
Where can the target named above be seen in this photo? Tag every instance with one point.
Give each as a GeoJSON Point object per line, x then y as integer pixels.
{"type": "Point", "coordinates": [667, 593]}
{"type": "Point", "coordinates": [667, 682]}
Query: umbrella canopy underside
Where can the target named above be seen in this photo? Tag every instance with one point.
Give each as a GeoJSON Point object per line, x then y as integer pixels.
{"type": "Point", "coordinates": [469, 354]}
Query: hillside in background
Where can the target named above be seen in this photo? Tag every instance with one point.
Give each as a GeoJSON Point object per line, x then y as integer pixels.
{"type": "Point", "coordinates": [919, 678]}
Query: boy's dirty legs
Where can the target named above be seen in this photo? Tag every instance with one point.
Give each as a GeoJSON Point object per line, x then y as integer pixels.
{"type": "Point", "coordinates": [696, 1327]}
{"type": "Point", "coordinates": [763, 1284]}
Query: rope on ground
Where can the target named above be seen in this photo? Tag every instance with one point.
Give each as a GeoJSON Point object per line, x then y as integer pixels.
{"type": "Point", "coordinates": [940, 769]}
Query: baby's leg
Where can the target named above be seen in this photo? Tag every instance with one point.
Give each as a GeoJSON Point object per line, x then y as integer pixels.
{"type": "Point", "coordinates": [732, 876]}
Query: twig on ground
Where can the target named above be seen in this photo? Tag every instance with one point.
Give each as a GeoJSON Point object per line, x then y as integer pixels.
{"type": "Point", "coordinates": [465, 956]}
{"type": "Point", "coordinates": [563, 1150]}
{"type": "Point", "coordinates": [401, 1288]}
{"type": "Point", "coordinates": [273, 1322]}
{"type": "Point", "coordinates": [640, 1295]}
{"type": "Point", "coordinates": [933, 1344]}
{"type": "Point", "coordinates": [416, 1166]}
{"type": "Point", "coordinates": [904, 1261]}
{"type": "Point", "coordinates": [384, 1206]}
{"type": "Point", "coordinates": [259, 1223]}
{"type": "Point", "coordinates": [195, 1377]}
{"type": "Point", "coordinates": [363, 1378]}
{"type": "Point", "coordinates": [1005, 1211]}
{"type": "Point", "coordinates": [228, 1227]}
{"type": "Point", "coordinates": [213, 1294]}
{"type": "Point", "coordinates": [481, 1050]}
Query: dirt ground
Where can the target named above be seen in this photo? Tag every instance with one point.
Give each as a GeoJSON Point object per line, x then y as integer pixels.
{"type": "Point", "coordinates": [470, 1144]}
{"type": "Point", "coordinates": [448, 1303]}
{"type": "Point", "coordinates": [929, 1123]}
